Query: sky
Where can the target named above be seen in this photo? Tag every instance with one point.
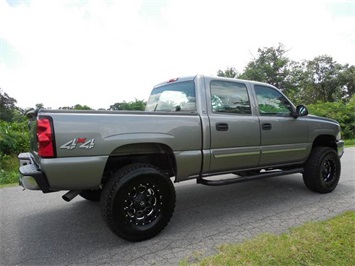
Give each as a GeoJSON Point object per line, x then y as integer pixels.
{"type": "Point", "coordinates": [100, 52]}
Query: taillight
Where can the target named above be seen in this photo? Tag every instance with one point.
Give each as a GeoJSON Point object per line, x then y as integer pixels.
{"type": "Point", "coordinates": [45, 138]}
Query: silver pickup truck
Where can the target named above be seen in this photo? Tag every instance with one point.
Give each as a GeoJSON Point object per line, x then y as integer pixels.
{"type": "Point", "coordinates": [195, 127]}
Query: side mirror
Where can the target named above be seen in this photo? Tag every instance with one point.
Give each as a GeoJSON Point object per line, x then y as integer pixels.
{"type": "Point", "coordinates": [301, 110]}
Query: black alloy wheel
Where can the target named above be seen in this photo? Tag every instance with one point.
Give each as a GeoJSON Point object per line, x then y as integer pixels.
{"type": "Point", "coordinates": [322, 170]}
{"type": "Point", "coordinates": [138, 202]}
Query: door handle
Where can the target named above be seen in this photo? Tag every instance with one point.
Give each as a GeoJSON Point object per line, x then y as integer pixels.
{"type": "Point", "coordinates": [222, 127]}
{"type": "Point", "coordinates": [266, 126]}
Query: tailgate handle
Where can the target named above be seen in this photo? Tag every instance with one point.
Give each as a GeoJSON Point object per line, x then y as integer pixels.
{"type": "Point", "coordinates": [222, 127]}
{"type": "Point", "coordinates": [266, 126]}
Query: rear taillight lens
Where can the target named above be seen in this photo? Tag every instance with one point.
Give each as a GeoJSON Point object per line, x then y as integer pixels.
{"type": "Point", "coordinates": [45, 138]}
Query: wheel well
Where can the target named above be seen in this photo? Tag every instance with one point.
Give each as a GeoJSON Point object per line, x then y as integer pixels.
{"type": "Point", "coordinates": [156, 154]}
{"type": "Point", "coordinates": [325, 141]}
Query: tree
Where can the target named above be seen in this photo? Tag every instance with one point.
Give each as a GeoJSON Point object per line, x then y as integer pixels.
{"type": "Point", "coordinates": [309, 81]}
{"type": "Point", "coordinates": [39, 106]}
{"type": "Point", "coordinates": [81, 107]}
{"type": "Point", "coordinates": [270, 66]}
{"type": "Point", "coordinates": [7, 107]}
{"type": "Point", "coordinates": [321, 80]}
{"type": "Point", "coordinates": [138, 105]}
{"type": "Point", "coordinates": [348, 81]}
{"type": "Point", "coordinates": [230, 72]}
{"type": "Point", "coordinates": [76, 107]}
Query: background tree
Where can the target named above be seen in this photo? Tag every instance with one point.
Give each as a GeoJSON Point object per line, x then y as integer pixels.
{"type": "Point", "coordinates": [348, 81]}
{"type": "Point", "coordinates": [39, 106]}
{"type": "Point", "coordinates": [81, 107]}
{"type": "Point", "coordinates": [309, 81]}
{"type": "Point", "coordinates": [230, 72]}
{"type": "Point", "coordinates": [138, 105]}
{"type": "Point", "coordinates": [14, 137]}
{"type": "Point", "coordinates": [76, 107]}
{"type": "Point", "coordinates": [321, 80]}
{"type": "Point", "coordinates": [7, 107]}
{"type": "Point", "coordinates": [271, 66]}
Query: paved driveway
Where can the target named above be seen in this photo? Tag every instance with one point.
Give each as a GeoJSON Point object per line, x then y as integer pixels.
{"type": "Point", "coordinates": [42, 229]}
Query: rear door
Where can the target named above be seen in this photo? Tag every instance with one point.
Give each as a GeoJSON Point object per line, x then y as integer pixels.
{"type": "Point", "coordinates": [284, 139]}
{"type": "Point", "coordinates": [234, 130]}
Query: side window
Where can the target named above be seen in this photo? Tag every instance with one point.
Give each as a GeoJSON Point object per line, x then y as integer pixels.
{"type": "Point", "coordinates": [229, 97]}
{"type": "Point", "coordinates": [272, 102]}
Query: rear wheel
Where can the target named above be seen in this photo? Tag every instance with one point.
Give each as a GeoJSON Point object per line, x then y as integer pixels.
{"type": "Point", "coordinates": [138, 202]}
{"type": "Point", "coordinates": [322, 170]}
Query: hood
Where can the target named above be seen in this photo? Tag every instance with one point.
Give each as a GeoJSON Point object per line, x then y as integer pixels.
{"type": "Point", "coordinates": [314, 117]}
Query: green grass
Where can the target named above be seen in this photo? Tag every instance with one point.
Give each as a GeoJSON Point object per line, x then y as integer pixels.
{"type": "Point", "coordinates": [330, 242]}
{"type": "Point", "coordinates": [7, 177]}
{"type": "Point", "coordinates": [8, 169]}
{"type": "Point", "coordinates": [9, 185]}
{"type": "Point", "coordinates": [349, 142]}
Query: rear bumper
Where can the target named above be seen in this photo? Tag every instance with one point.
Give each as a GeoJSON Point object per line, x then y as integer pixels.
{"type": "Point", "coordinates": [340, 148]}
{"type": "Point", "coordinates": [32, 177]}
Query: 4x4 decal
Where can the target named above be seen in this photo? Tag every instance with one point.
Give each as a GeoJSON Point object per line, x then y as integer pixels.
{"type": "Point", "coordinates": [82, 143]}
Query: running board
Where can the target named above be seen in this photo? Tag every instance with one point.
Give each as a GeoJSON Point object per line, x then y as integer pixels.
{"type": "Point", "coordinates": [222, 182]}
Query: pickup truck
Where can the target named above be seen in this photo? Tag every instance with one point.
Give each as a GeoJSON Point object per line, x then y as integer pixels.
{"type": "Point", "coordinates": [198, 127]}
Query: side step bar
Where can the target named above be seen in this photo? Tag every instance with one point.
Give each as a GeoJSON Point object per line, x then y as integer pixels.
{"type": "Point", "coordinates": [229, 181]}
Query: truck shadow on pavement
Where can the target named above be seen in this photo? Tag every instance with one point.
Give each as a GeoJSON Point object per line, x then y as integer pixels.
{"type": "Point", "coordinates": [74, 233]}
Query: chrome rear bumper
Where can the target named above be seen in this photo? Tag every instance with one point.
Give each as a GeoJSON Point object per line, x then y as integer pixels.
{"type": "Point", "coordinates": [32, 177]}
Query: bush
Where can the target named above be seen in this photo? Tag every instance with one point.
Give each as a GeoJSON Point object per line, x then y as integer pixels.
{"type": "Point", "coordinates": [14, 137]}
{"type": "Point", "coordinates": [8, 169]}
{"type": "Point", "coordinates": [343, 113]}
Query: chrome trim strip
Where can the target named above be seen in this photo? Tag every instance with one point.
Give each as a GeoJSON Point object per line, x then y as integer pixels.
{"type": "Point", "coordinates": [235, 154]}
{"type": "Point", "coordinates": [283, 150]}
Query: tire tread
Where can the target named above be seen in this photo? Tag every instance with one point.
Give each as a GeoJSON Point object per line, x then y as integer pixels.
{"type": "Point", "coordinates": [311, 174]}
{"type": "Point", "coordinates": [118, 180]}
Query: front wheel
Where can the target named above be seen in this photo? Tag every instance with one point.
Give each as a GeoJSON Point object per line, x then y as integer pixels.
{"type": "Point", "coordinates": [322, 170]}
{"type": "Point", "coordinates": [138, 202]}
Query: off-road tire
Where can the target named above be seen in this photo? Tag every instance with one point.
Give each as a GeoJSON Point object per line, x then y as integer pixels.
{"type": "Point", "coordinates": [91, 195]}
{"type": "Point", "coordinates": [137, 202]}
{"type": "Point", "coordinates": [322, 170]}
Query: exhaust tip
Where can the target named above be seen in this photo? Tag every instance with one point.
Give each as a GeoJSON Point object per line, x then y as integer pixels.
{"type": "Point", "coordinates": [71, 194]}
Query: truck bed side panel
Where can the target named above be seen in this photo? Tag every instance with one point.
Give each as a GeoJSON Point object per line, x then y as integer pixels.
{"type": "Point", "coordinates": [84, 142]}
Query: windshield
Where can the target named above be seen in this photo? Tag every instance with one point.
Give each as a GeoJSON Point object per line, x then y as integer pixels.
{"type": "Point", "coordinates": [173, 97]}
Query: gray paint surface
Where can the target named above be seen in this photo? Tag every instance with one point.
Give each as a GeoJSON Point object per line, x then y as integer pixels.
{"type": "Point", "coordinates": [243, 146]}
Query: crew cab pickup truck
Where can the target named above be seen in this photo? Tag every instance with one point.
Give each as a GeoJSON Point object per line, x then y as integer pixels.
{"type": "Point", "coordinates": [196, 127]}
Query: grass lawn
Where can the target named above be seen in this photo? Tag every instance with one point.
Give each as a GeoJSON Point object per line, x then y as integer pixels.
{"type": "Point", "coordinates": [349, 143]}
{"type": "Point", "coordinates": [330, 242]}
{"type": "Point", "coordinates": [9, 185]}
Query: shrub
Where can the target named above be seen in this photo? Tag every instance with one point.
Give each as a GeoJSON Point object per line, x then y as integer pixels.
{"type": "Point", "coordinates": [14, 137]}
{"type": "Point", "coordinates": [343, 113]}
{"type": "Point", "coordinates": [8, 169]}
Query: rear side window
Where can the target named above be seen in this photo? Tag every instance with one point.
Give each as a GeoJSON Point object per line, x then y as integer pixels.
{"type": "Point", "coordinates": [174, 97]}
{"type": "Point", "coordinates": [229, 97]}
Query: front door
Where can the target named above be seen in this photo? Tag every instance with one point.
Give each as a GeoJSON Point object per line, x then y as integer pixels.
{"type": "Point", "coordinates": [284, 139]}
